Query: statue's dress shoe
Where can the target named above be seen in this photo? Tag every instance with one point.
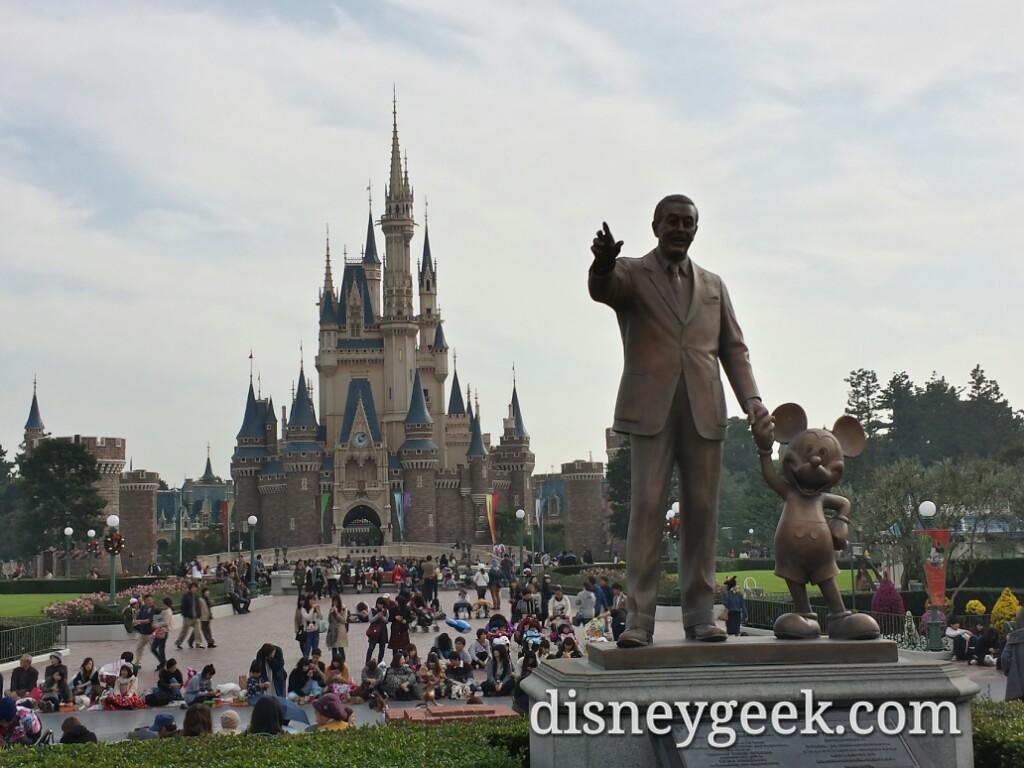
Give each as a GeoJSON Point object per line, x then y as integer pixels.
{"type": "Point", "coordinates": [706, 633]}
{"type": "Point", "coordinates": [635, 638]}
{"type": "Point", "coordinates": [852, 626]}
{"type": "Point", "coordinates": [797, 626]}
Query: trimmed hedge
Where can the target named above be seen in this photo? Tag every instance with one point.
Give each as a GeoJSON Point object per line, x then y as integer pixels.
{"type": "Point", "coordinates": [723, 564]}
{"type": "Point", "coordinates": [993, 572]}
{"type": "Point", "coordinates": [490, 743]}
{"type": "Point", "coordinates": [998, 734]}
{"type": "Point", "coordinates": [85, 586]}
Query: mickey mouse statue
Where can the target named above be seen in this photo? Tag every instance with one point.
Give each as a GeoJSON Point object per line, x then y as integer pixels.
{"type": "Point", "coordinates": [805, 540]}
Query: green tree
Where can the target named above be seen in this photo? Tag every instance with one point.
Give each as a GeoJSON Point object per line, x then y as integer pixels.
{"type": "Point", "coordinates": [9, 510]}
{"type": "Point", "coordinates": [864, 402]}
{"type": "Point", "coordinates": [58, 489]}
{"type": "Point", "coordinates": [620, 490]}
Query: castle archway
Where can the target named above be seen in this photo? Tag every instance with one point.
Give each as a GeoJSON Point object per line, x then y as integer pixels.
{"type": "Point", "coordinates": [361, 526]}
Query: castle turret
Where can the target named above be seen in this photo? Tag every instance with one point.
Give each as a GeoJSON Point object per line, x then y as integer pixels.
{"type": "Point", "coordinates": [419, 467]}
{"type": "Point", "coordinates": [249, 458]}
{"type": "Point", "coordinates": [328, 306]}
{"type": "Point", "coordinates": [586, 520]}
{"type": "Point", "coordinates": [513, 455]}
{"type": "Point", "coordinates": [371, 264]}
{"type": "Point", "coordinates": [34, 429]}
{"type": "Point", "coordinates": [303, 458]}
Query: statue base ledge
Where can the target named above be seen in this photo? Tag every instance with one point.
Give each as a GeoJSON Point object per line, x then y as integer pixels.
{"type": "Point", "coordinates": [742, 651]}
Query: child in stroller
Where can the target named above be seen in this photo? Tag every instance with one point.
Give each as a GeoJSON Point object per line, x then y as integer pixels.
{"type": "Point", "coordinates": [426, 619]}
{"type": "Point", "coordinates": [498, 626]}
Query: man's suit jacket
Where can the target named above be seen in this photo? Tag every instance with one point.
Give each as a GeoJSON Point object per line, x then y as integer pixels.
{"type": "Point", "coordinates": [660, 345]}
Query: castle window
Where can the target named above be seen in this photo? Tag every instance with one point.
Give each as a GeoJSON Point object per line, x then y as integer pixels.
{"type": "Point", "coordinates": [515, 500]}
{"type": "Point", "coordinates": [419, 481]}
{"type": "Point", "coordinates": [401, 355]}
{"type": "Point", "coordinates": [305, 484]}
{"type": "Point", "coordinates": [430, 520]}
{"type": "Point", "coordinates": [291, 524]}
{"type": "Point", "coordinates": [426, 394]}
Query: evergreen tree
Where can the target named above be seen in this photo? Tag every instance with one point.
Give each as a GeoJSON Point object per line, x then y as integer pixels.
{"type": "Point", "coordinates": [58, 489]}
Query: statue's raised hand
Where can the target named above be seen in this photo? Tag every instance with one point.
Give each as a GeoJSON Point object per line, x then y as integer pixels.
{"type": "Point", "coordinates": [605, 248]}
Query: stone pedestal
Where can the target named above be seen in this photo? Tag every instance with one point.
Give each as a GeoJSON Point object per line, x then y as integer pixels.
{"type": "Point", "coordinates": [744, 670]}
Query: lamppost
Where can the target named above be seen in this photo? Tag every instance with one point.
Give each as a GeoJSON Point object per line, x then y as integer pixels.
{"type": "Point", "coordinates": [751, 533]}
{"type": "Point", "coordinates": [112, 522]}
{"type": "Point", "coordinates": [926, 509]}
{"type": "Point", "coordinates": [521, 517]}
{"type": "Point", "coordinates": [68, 533]}
{"type": "Point", "coordinates": [252, 553]}
{"type": "Point", "coordinates": [90, 547]}
{"type": "Point", "coordinates": [856, 550]}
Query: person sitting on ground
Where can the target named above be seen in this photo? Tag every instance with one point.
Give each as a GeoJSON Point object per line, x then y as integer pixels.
{"type": "Point", "coordinates": [200, 688]}
{"type": "Point", "coordinates": [73, 732]}
{"type": "Point", "coordinates": [499, 680]}
{"type": "Point", "coordinates": [520, 699]}
{"type": "Point", "coordinates": [18, 725]}
{"type": "Point", "coordinates": [266, 717]}
{"type": "Point", "coordinates": [56, 690]}
{"type": "Point", "coordinates": [170, 681]}
{"type": "Point", "coordinates": [332, 715]}
{"type": "Point", "coordinates": [198, 721]}
{"type": "Point", "coordinates": [480, 649]}
{"type": "Point", "coordinates": [959, 638]}
{"type": "Point", "coordinates": [400, 681]}
{"type": "Point", "coordinates": [255, 684]}
{"type": "Point", "coordinates": [568, 648]}
{"type": "Point", "coordinates": [229, 722]}
{"type": "Point", "coordinates": [86, 684]}
{"type": "Point", "coordinates": [305, 681]}
{"type": "Point", "coordinates": [987, 650]}
{"type": "Point", "coordinates": [24, 678]}
{"type": "Point", "coordinates": [559, 607]}
{"type": "Point", "coordinates": [432, 679]}
{"type": "Point", "coordinates": [124, 691]}
{"type": "Point", "coordinates": [458, 669]}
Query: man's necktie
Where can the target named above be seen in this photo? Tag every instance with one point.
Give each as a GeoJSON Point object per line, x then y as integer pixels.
{"type": "Point", "coordinates": [679, 288]}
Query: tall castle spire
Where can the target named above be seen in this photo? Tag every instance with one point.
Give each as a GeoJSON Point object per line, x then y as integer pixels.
{"type": "Point", "coordinates": [35, 421]}
{"type": "Point", "coordinates": [328, 278]}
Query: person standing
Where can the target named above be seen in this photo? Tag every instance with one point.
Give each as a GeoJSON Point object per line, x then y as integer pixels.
{"type": "Point", "coordinates": [377, 631]}
{"type": "Point", "coordinates": [161, 629]}
{"type": "Point", "coordinates": [1012, 660]}
{"type": "Point", "coordinates": [337, 627]}
{"type": "Point", "coordinates": [190, 619]}
{"type": "Point", "coordinates": [206, 616]}
{"type": "Point", "coordinates": [310, 617]}
{"type": "Point", "coordinates": [678, 330]}
{"type": "Point", "coordinates": [735, 606]}
{"type": "Point", "coordinates": [143, 624]}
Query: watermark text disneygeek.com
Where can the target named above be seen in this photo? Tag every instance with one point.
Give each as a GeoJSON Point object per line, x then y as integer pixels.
{"type": "Point", "coordinates": [728, 718]}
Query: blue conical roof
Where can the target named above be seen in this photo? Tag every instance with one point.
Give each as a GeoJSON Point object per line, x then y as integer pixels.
{"type": "Point", "coordinates": [35, 421]}
{"type": "Point", "coordinates": [302, 409]}
{"type": "Point", "coordinates": [370, 253]}
{"type": "Point", "coordinates": [208, 475]}
{"type": "Point", "coordinates": [456, 406]}
{"type": "Point", "coordinates": [427, 265]}
{"type": "Point", "coordinates": [269, 417]}
{"type": "Point", "coordinates": [439, 340]}
{"type": "Point", "coordinates": [517, 414]}
{"type": "Point", "coordinates": [252, 424]}
{"type": "Point", "coordinates": [476, 439]}
{"type": "Point", "coordinates": [418, 413]}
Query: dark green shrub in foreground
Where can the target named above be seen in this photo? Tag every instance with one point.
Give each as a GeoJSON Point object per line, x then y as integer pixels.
{"type": "Point", "coordinates": [998, 734]}
{"type": "Point", "coordinates": [494, 744]}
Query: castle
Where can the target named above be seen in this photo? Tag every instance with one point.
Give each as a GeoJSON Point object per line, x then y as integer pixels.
{"type": "Point", "coordinates": [393, 456]}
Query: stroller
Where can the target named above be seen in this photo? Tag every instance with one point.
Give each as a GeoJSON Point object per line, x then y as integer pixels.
{"type": "Point", "coordinates": [427, 618]}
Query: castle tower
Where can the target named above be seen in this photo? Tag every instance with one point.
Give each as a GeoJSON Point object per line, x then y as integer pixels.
{"type": "Point", "coordinates": [303, 457]}
{"type": "Point", "coordinates": [586, 521]}
{"type": "Point", "coordinates": [34, 429]}
{"type": "Point", "coordinates": [418, 455]}
{"type": "Point", "coordinates": [456, 427]}
{"type": "Point", "coordinates": [249, 459]}
{"type": "Point", "coordinates": [429, 321]}
{"type": "Point", "coordinates": [138, 518]}
{"type": "Point", "coordinates": [328, 306]}
{"type": "Point", "coordinates": [513, 455]}
{"type": "Point", "coordinates": [371, 264]}
{"type": "Point", "coordinates": [479, 485]}
{"type": "Point", "coordinates": [398, 323]}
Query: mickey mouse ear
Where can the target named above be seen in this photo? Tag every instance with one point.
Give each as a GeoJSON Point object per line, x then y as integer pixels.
{"type": "Point", "coordinates": [850, 434]}
{"type": "Point", "coordinates": [790, 421]}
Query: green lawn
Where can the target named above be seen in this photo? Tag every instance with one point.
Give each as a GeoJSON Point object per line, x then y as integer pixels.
{"type": "Point", "coordinates": [769, 582]}
{"type": "Point", "coordinates": [31, 605]}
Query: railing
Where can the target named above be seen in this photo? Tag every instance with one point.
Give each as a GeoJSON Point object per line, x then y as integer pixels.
{"type": "Point", "coordinates": [19, 636]}
{"type": "Point", "coordinates": [762, 613]}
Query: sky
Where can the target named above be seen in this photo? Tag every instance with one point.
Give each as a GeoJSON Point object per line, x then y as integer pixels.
{"type": "Point", "coordinates": [167, 171]}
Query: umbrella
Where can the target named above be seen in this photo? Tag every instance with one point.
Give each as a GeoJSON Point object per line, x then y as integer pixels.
{"type": "Point", "coordinates": [291, 711]}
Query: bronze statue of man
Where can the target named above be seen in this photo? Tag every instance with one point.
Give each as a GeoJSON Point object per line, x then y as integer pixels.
{"type": "Point", "coordinates": [677, 324]}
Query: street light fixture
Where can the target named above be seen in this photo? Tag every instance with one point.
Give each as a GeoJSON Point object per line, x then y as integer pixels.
{"type": "Point", "coordinates": [112, 522]}
{"type": "Point", "coordinates": [68, 533]}
{"type": "Point", "coordinates": [91, 533]}
{"type": "Point", "coordinates": [252, 553]}
{"type": "Point", "coordinates": [521, 517]}
{"type": "Point", "coordinates": [927, 509]}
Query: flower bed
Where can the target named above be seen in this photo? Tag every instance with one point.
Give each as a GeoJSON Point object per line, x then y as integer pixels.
{"type": "Point", "coordinates": [87, 607]}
